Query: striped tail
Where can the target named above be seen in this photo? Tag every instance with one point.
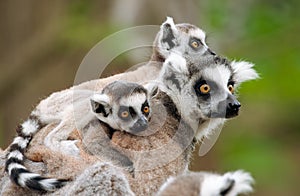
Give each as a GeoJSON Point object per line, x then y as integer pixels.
{"type": "Point", "coordinates": [14, 164]}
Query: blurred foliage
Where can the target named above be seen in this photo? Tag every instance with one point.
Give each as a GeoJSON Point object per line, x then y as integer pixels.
{"type": "Point", "coordinates": [264, 139]}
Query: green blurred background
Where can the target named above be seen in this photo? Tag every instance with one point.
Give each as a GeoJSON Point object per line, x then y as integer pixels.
{"type": "Point", "coordinates": [43, 42]}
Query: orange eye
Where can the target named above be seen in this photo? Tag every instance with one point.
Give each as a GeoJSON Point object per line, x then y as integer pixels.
{"type": "Point", "coordinates": [124, 114]}
{"type": "Point", "coordinates": [195, 44]}
{"type": "Point", "coordinates": [146, 109]}
{"type": "Point", "coordinates": [231, 88]}
{"type": "Point", "coordinates": [204, 89]}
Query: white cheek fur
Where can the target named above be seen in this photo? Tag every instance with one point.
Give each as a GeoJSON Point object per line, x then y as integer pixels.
{"type": "Point", "coordinates": [243, 71]}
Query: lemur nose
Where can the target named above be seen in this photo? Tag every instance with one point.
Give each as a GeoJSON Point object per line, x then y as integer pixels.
{"type": "Point", "coordinates": [211, 52]}
{"type": "Point", "coordinates": [235, 105]}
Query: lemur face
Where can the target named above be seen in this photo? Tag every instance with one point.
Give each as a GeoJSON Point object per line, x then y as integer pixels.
{"type": "Point", "coordinates": [123, 106]}
{"type": "Point", "coordinates": [183, 39]}
{"type": "Point", "coordinates": [205, 86]}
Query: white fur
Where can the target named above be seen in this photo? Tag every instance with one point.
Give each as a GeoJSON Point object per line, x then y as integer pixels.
{"type": "Point", "coordinates": [177, 62]}
{"type": "Point", "coordinates": [213, 184]}
{"type": "Point", "coordinates": [48, 183]}
{"type": "Point", "coordinates": [23, 177]}
{"type": "Point", "coordinates": [21, 142]}
{"type": "Point", "coordinates": [243, 182]}
{"type": "Point", "coordinates": [135, 100]}
{"type": "Point", "coordinates": [14, 166]}
{"type": "Point", "coordinates": [16, 154]}
{"type": "Point", "coordinates": [30, 127]}
{"type": "Point", "coordinates": [100, 98]}
{"type": "Point", "coordinates": [170, 21]}
{"type": "Point", "coordinates": [198, 33]}
{"type": "Point", "coordinates": [219, 75]}
{"type": "Point", "coordinates": [243, 71]}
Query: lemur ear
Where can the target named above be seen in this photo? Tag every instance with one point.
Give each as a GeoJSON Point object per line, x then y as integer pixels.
{"type": "Point", "coordinates": [152, 89]}
{"type": "Point", "coordinates": [243, 71]}
{"type": "Point", "coordinates": [100, 104]}
{"type": "Point", "coordinates": [169, 33]}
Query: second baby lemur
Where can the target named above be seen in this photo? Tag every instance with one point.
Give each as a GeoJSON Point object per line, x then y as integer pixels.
{"type": "Point", "coordinates": [120, 106]}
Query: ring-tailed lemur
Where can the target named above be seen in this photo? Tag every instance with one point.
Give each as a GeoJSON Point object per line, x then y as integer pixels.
{"type": "Point", "coordinates": [180, 38]}
{"type": "Point", "coordinates": [208, 184]}
{"type": "Point", "coordinates": [172, 38]}
{"type": "Point", "coordinates": [209, 83]}
{"type": "Point", "coordinates": [120, 106]}
{"type": "Point", "coordinates": [197, 95]}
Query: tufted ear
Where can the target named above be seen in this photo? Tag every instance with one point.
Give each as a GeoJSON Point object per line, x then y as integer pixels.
{"type": "Point", "coordinates": [152, 89]}
{"type": "Point", "coordinates": [100, 104]}
{"type": "Point", "coordinates": [243, 71]}
{"type": "Point", "coordinates": [169, 34]}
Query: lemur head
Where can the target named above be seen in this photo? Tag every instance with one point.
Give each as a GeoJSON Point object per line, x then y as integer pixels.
{"type": "Point", "coordinates": [204, 88]}
{"type": "Point", "coordinates": [183, 39]}
{"type": "Point", "coordinates": [123, 106]}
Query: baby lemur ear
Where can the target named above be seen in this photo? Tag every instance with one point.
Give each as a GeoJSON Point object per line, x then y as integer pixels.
{"type": "Point", "coordinates": [100, 104]}
{"type": "Point", "coordinates": [243, 71]}
{"type": "Point", "coordinates": [152, 89]}
{"type": "Point", "coordinates": [169, 34]}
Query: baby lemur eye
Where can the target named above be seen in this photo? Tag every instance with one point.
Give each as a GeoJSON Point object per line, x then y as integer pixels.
{"type": "Point", "coordinates": [146, 109]}
{"type": "Point", "coordinates": [230, 87]}
{"type": "Point", "coordinates": [195, 43]}
{"type": "Point", "coordinates": [124, 114]}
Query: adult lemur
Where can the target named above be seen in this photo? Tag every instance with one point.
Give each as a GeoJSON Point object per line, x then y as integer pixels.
{"type": "Point", "coordinates": [197, 95]}
{"type": "Point", "coordinates": [181, 38]}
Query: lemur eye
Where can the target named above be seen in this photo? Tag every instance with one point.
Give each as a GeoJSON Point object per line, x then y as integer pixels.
{"type": "Point", "coordinates": [124, 114]}
{"type": "Point", "coordinates": [146, 109]}
{"type": "Point", "coordinates": [195, 44]}
{"type": "Point", "coordinates": [231, 88]}
{"type": "Point", "coordinates": [204, 88]}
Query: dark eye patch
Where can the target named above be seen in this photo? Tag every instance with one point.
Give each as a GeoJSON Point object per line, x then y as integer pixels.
{"type": "Point", "coordinates": [132, 112]}
{"type": "Point", "coordinates": [145, 104]}
{"type": "Point", "coordinates": [124, 109]}
{"type": "Point", "coordinates": [213, 88]}
{"type": "Point", "coordinates": [230, 83]}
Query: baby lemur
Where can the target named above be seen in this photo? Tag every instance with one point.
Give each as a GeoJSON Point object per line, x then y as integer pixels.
{"type": "Point", "coordinates": [120, 106]}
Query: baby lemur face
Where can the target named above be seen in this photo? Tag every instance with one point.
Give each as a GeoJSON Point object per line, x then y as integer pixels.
{"type": "Point", "coordinates": [183, 39]}
{"type": "Point", "coordinates": [205, 86]}
{"type": "Point", "coordinates": [123, 106]}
